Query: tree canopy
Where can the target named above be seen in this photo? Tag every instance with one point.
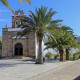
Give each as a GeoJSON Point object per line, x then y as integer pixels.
{"type": "Point", "coordinates": [39, 22]}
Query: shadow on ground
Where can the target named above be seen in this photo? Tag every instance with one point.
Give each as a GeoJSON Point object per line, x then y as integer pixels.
{"type": "Point", "coordinates": [77, 78]}
{"type": "Point", "coordinates": [16, 62]}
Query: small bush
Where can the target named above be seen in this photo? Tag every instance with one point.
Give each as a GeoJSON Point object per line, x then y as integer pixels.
{"type": "Point", "coordinates": [71, 56]}
{"type": "Point", "coordinates": [77, 55]}
{"type": "Point", "coordinates": [49, 55]}
{"type": "Point", "coordinates": [56, 56]}
{"type": "Point", "coordinates": [0, 45]}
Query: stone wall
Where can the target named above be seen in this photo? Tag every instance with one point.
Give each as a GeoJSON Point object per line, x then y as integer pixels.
{"type": "Point", "coordinates": [5, 42]}
{"type": "Point", "coordinates": [8, 44]}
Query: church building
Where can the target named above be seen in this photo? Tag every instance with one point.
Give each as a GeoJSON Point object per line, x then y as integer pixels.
{"type": "Point", "coordinates": [20, 46]}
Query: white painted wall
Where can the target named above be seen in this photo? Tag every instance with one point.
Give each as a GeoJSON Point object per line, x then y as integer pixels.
{"type": "Point", "coordinates": [43, 47]}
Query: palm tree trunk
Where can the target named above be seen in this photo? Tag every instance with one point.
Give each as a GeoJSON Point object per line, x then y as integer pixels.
{"type": "Point", "coordinates": [40, 57]}
{"type": "Point", "coordinates": [61, 55]}
{"type": "Point", "coordinates": [67, 54]}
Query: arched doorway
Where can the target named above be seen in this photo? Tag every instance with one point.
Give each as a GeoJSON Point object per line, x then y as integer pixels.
{"type": "Point", "coordinates": [18, 49]}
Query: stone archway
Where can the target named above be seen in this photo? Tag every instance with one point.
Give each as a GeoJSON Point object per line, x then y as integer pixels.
{"type": "Point", "coordinates": [18, 49]}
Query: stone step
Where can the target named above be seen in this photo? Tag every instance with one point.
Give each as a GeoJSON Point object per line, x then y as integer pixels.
{"type": "Point", "coordinates": [19, 57]}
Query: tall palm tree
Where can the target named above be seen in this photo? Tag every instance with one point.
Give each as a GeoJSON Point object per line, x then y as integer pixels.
{"type": "Point", "coordinates": [70, 38]}
{"type": "Point", "coordinates": [40, 23]}
{"type": "Point", "coordinates": [5, 2]}
{"type": "Point", "coordinates": [62, 39]}
{"type": "Point", "coordinates": [56, 41]}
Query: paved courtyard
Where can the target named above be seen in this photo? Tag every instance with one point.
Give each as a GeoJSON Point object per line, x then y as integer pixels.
{"type": "Point", "coordinates": [69, 72]}
{"type": "Point", "coordinates": [18, 69]}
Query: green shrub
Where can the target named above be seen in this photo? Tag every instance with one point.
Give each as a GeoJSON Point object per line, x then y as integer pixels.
{"type": "Point", "coordinates": [49, 55]}
{"type": "Point", "coordinates": [0, 45]}
{"type": "Point", "coordinates": [77, 55]}
{"type": "Point", "coordinates": [64, 55]}
{"type": "Point", "coordinates": [71, 56]}
{"type": "Point", "coordinates": [56, 56]}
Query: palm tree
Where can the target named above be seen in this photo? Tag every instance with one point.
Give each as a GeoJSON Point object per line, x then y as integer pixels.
{"type": "Point", "coordinates": [40, 23]}
{"type": "Point", "coordinates": [70, 38]}
{"type": "Point", "coordinates": [56, 41]}
{"type": "Point", "coordinates": [62, 39]}
{"type": "Point", "coordinates": [5, 2]}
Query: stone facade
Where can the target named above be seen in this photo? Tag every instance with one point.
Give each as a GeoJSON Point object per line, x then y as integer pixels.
{"type": "Point", "coordinates": [20, 46]}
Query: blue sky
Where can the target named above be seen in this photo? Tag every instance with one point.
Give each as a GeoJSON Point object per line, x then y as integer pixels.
{"type": "Point", "coordinates": [67, 10]}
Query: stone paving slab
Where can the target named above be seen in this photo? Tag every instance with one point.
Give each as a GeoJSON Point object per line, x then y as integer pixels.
{"type": "Point", "coordinates": [68, 72]}
{"type": "Point", "coordinates": [18, 69]}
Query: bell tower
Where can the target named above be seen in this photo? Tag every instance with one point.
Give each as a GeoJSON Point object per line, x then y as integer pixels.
{"type": "Point", "coordinates": [16, 19]}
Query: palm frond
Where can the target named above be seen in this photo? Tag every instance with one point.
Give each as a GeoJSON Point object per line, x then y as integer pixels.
{"type": "Point", "coordinates": [5, 2]}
